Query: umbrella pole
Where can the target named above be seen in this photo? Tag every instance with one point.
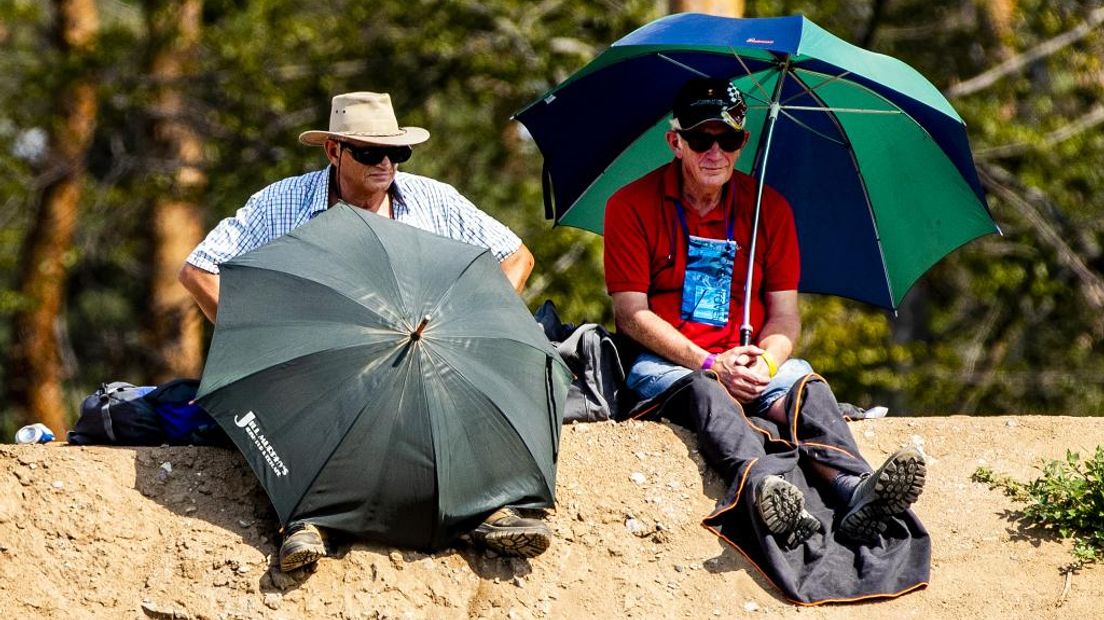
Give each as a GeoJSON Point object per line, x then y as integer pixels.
{"type": "Point", "coordinates": [772, 118]}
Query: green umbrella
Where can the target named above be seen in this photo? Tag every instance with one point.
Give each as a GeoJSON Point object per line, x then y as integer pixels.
{"type": "Point", "coordinates": [873, 160]}
{"type": "Point", "coordinates": [384, 381]}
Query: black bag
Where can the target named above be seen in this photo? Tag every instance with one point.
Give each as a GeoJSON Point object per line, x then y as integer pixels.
{"type": "Point", "coordinates": [124, 414]}
{"type": "Point", "coordinates": [597, 390]}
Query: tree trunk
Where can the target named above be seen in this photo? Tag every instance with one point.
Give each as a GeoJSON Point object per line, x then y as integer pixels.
{"type": "Point", "coordinates": [34, 363]}
{"type": "Point", "coordinates": [725, 8]}
{"type": "Point", "coordinates": [175, 325]}
{"type": "Point", "coordinates": [997, 16]}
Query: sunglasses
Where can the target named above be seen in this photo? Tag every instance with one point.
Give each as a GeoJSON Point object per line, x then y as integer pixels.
{"type": "Point", "coordinates": [700, 141]}
{"type": "Point", "coordinates": [373, 155]}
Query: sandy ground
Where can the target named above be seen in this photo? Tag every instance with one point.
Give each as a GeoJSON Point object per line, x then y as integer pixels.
{"type": "Point", "coordinates": [187, 533]}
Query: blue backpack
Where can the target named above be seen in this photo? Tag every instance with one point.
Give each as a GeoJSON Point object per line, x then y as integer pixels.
{"type": "Point", "coordinates": [124, 414]}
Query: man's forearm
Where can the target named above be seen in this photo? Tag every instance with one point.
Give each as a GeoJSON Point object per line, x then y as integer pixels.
{"type": "Point", "coordinates": [517, 267]}
{"type": "Point", "coordinates": [204, 288]}
{"type": "Point", "coordinates": [779, 336]}
{"type": "Point", "coordinates": [782, 326]}
{"type": "Point", "coordinates": [660, 337]}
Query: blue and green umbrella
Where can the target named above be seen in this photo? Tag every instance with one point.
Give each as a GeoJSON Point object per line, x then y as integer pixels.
{"type": "Point", "coordinates": [873, 160]}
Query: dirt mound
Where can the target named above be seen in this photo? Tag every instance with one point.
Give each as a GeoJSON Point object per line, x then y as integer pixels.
{"type": "Point", "coordinates": [187, 533]}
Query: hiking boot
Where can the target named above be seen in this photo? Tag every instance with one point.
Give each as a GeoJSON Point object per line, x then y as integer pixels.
{"type": "Point", "coordinates": [884, 494]}
{"type": "Point", "coordinates": [303, 545]}
{"type": "Point", "coordinates": [781, 507]}
{"type": "Point", "coordinates": [507, 533]}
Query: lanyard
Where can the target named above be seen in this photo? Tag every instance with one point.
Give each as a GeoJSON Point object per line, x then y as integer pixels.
{"type": "Point", "coordinates": [686, 229]}
{"type": "Point", "coordinates": [707, 282]}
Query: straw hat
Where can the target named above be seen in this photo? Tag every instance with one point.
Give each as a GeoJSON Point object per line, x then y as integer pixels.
{"type": "Point", "coordinates": [368, 118]}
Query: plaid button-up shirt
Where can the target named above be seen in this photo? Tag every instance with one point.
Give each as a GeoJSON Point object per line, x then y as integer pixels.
{"type": "Point", "coordinates": [285, 205]}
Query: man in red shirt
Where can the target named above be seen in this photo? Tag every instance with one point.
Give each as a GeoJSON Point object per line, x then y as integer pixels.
{"type": "Point", "coordinates": [676, 255]}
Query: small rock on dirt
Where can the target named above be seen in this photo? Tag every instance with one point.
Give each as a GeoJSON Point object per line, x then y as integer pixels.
{"type": "Point", "coordinates": [272, 600]}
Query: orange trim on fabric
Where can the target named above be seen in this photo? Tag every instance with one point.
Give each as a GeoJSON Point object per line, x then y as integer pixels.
{"type": "Point", "coordinates": [828, 447]}
{"type": "Point", "coordinates": [645, 412]}
{"type": "Point", "coordinates": [797, 407]}
{"type": "Point", "coordinates": [797, 403]}
{"type": "Point", "coordinates": [748, 421]}
{"type": "Point", "coordinates": [739, 492]}
{"type": "Point", "coordinates": [716, 532]}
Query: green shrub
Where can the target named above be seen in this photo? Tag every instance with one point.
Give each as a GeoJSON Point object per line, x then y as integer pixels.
{"type": "Point", "coordinates": [1068, 499]}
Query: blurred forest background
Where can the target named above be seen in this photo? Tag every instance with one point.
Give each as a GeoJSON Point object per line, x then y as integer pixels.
{"type": "Point", "coordinates": [129, 127]}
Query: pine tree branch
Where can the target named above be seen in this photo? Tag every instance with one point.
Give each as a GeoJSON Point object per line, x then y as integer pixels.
{"type": "Point", "coordinates": [1019, 61]}
{"type": "Point", "coordinates": [999, 181]}
{"type": "Point", "coordinates": [1083, 123]}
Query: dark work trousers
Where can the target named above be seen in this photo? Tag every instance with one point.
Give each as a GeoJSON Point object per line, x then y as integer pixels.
{"type": "Point", "coordinates": [744, 450]}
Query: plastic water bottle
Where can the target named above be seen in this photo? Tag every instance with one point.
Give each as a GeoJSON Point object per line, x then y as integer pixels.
{"type": "Point", "coordinates": [34, 433]}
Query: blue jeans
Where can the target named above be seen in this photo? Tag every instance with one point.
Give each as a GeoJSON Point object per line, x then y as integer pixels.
{"type": "Point", "coordinates": [651, 375]}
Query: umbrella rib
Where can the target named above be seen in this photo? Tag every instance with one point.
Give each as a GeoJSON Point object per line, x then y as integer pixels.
{"type": "Point", "coordinates": [456, 339]}
{"type": "Point", "coordinates": [400, 293]}
{"type": "Point", "coordinates": [336, 446]}
{"type": "Point", "coordinates": [452, 287]}
{"type": "Point", "coordinates": [683, 65]}
{"type": "Point", "coordinates": [460, 374]}
{"type": "Point", "coordinates": [751, 75]}
{"type": "Point", "coordinates": [810, 129]}
{"type": "Point", "coordinates": [896, 108]}
{"type": "Point", "coordinates": [808, 90]}
{"type": "Point", "coordinates": [374, 313]}
{"type": "Point", "coordinates": [236, 379]}
{"type": "Point", "coordinates": [410, 360]}
{"type": "Point", "coordinates": [813, 108]}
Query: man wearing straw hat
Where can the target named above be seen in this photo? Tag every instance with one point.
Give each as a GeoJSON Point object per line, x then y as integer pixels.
{"type": "Point", "coordinates": [364, 145]}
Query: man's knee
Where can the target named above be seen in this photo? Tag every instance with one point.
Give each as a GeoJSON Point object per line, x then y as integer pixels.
{"type": "Point", "coordinates": [706, 385]}
{"type": "Point", "coordinates": [698, 400]}
{"type": "Point", "coordinates": [706, 393]}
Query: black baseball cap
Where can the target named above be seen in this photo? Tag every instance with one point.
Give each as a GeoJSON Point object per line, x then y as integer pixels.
{"type": "Point", "coordinates": [709, 99]}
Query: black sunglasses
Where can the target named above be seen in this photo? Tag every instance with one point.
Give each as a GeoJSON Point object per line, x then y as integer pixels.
{"type": "Point", "coordinates": [700, 141]}
{"type": "Point", "coordinates": [373, 155]}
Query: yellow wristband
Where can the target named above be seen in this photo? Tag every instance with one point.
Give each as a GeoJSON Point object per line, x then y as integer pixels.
{"type": "Point", "coordinates": [772, 368]}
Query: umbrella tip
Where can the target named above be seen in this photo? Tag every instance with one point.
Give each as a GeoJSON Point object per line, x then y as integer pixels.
{"type": "Point", "coordinates": [417, 335]}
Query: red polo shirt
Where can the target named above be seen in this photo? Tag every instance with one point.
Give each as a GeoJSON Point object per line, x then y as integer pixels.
{"type": "Point", "coordinates": [645, 249]}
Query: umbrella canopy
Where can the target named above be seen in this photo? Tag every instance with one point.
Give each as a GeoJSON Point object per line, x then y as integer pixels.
{"type": "Point", "coordinates": [872, 158]}
{"type": "Point", "coordinates": [384, 381]}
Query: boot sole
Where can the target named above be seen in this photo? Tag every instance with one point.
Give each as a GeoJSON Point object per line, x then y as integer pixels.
{"type": "Point", "coordinates": [781, 507]}
{"type": "Point", "coordinates": [517, 542]}
{"type": "Point", "coordinates": [299, 558]}
{"type": "Point", "coordinates": [803, 530]}
{"type": "Point", "coordinates": [898, 485]}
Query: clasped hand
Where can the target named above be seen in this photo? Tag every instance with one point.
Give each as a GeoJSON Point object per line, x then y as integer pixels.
{"type": "Point", "coordinates": [743, 371]}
